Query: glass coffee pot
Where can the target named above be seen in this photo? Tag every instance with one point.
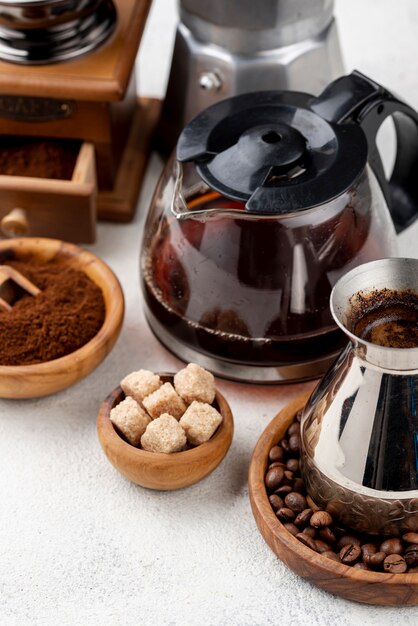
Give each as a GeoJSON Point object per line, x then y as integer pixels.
{"type": "Point", "coordinates": [272, 197]}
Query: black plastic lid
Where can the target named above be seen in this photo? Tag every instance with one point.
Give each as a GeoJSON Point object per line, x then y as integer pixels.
{"type": "Point", "coordinates": [271, 151]}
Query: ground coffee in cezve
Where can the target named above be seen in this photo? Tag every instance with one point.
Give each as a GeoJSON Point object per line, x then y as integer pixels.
{"type": "Point", "coordinates": [386, 317]}
{"type": "Point", "coordinates": [68, 312]}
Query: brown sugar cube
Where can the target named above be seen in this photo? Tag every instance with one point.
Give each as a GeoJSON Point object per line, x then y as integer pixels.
{"type": "Point", "coordinates": [164, 400]}
{"type": "Point", "coordinates": [130, 419]}
{"type": "Point", "coordinates": [195, 383]}
{"type": "Point", "coordinates": [164, 434]}
{"type": "Point", "coordinates": [200, 422]}
{"type": "Point", "coordinates": [140, 384]}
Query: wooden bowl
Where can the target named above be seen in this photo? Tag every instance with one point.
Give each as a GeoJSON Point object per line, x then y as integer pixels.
{"type": "Point", "coordinates": [41, 379]}
{"type": "Point", "coordinates": [155, 470]}
{"type": "Point", "coordinates": [342, 580]}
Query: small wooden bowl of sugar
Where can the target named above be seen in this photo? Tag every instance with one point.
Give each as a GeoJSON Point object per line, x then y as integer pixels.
{"type": "Point", "coordinates": [161, 470]}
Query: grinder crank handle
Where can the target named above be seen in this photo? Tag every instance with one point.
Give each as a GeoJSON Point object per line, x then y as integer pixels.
{"type": "Point", "coordinates": [358, 99]}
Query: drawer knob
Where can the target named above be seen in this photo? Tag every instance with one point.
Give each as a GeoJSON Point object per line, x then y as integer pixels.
{"type": "Point", "coordinates": [15, 224]}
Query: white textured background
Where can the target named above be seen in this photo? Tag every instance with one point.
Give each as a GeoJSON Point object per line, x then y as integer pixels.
{"type": "Point", "coordinates": [81, 545]}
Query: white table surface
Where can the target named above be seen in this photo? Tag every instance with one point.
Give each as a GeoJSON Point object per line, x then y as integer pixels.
{"type": "Point", "coordinates": [79, 544]}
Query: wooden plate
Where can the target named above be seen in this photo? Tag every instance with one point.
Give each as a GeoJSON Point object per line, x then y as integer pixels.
{"type": "Point", "coordinates": [164, 471]}
{"type": "Point", "coordinates": [353, 584]}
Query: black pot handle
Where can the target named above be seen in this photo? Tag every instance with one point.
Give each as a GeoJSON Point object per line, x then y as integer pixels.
{"type": "Point", "coordinates": [356, 98]}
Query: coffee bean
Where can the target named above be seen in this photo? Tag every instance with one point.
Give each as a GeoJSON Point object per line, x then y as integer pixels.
{"type": "Point", "coordinates": [274, 477]}
{"type": "Point", "coordinates": [284, 443]}
{"type": "Point", "coordinates": [303, 517]}
{"type": "Point", "coordinates": [321, 546]}
{"type": "Point", "coordinates": [296, 501]}
{"type": "Point", "coordinates": [327, 535]}
{"type": "Point", "coordinates": [292, 465]}
{"type": "Point", "coordinates": [307, 541]}
{"type": "Point", "coordinates": [276, 502]}
{"type": "Point", "coordinates": [411, 555]}
{"type": "Point", "coordinates": [294, 429]}
{"type": "Point", "coordinates": [374, 560]}
{"type": "Point", "coordinates": [294, 442]}
{"type": "Point", "coordinates": [350, 553]}
{"type": "Point", "coordinates": [299, 415]}
{"type": "Point", "coordinates": [331, 555]}
{"type": "Point", "coordinates": [291, 528]}
{"type": "Point", "coordinates": [320, 519]}
{"type": "Point", "coordinates": [411, 537]}
{"type": "Point", "coordinates": [276, 464]}
{"type": "Point", "coordinates": [289, 475]}
{"type": "Point", "coordinates": [283, 489]}
{"type": "Point", "coordinates": [285, 515]}
{"type": "Point", "coordinates": [392, 546]}
{"type": "Point", "coordinates": [346, 540]}
{"type": "Point", "coordinates": [276, 454]}
{"type": "Point", "coordinates": [360, 566]}
{"type": "Point", "coordinates": [309, 531]}
{"type": "Point", "coordinates": [298, 485]}
{"type": "Point", "coordinates": [395, 564]}
{"type": "Point", "coordinates": [368, 549]}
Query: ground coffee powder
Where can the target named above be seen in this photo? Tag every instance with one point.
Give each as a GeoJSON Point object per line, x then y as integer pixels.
{"type": "Point", "coordinates": [386, 317]}
{"type": "Point", "coordinates": [67, 313]}
{"type": "Point", "coordinates": [39, 158]}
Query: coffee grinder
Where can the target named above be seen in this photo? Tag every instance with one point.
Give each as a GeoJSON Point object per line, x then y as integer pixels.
{"type": "Point", "coordinates": [66, 74]}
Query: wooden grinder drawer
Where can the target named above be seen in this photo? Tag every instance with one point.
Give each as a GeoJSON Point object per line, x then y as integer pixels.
{"type": "Point", "coordinates": [50, 207]}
